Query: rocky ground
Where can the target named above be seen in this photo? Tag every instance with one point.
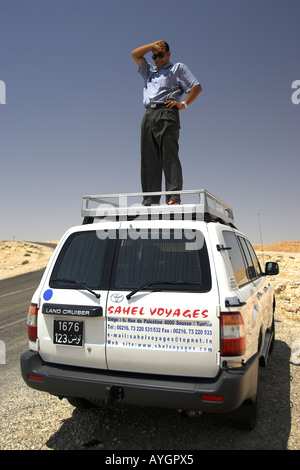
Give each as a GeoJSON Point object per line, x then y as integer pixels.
{"type": "Point", "coordinates": [287, 282]}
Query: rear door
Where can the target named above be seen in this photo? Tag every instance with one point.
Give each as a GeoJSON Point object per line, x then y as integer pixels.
{"type": "Point", "coordinates": [72, 310]}
{"type": "Point", "coordinates": [163, 305]}
{"type": "Point", "coordinates": [253, 288]}
{"type": "Point", "coordinates": [263, 288]}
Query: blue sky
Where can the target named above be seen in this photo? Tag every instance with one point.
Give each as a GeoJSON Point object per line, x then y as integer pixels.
{"type": "Point", "coordinates": [71, 122]}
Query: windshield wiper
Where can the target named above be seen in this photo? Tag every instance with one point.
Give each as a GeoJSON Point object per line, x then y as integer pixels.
{"type": "Point", "coordinates": [149, 284]}
{"type": "Point", "coordinates": [80, 284]}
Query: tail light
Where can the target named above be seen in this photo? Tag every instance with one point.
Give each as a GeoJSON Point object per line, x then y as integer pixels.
{"type": "Point", "coordinates": [32, 322]}
{"type": "Point", "coordinates": [233, 334]}
{"type": "Point", "coordinates": [217, 398]}
{"type": "Point", "coordinates": [36, 378]}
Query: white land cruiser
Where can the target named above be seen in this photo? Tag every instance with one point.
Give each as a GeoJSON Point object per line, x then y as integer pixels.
{"type": "Point", "coordinates": [165, 306]}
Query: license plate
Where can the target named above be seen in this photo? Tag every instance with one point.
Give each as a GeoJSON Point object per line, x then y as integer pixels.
{"type": "Point", "coordinates": [68, 332]}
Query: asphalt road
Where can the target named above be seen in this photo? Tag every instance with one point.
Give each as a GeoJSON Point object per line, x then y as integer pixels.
{"type": "Point", "coordinates": [15, 293]}
{"type": "Point", "coordinates": [15, 297]}
{"type": "Point", "coordinates": [34, 420]}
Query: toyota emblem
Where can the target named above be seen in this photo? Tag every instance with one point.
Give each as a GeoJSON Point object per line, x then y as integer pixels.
{"type": "Point", "coordinates": [117, 297]}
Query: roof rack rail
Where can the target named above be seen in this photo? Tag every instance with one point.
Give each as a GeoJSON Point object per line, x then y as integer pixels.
{"type": "Point", "coordinates": [117, 206]}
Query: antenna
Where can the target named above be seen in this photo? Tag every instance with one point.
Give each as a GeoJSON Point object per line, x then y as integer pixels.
{"type": "Point", "coordinates": [261, 241]}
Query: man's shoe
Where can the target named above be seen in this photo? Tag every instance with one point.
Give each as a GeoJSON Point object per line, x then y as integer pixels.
{"type": "Point", "coordinates": [173, 201]}
{"type": "Point", "coordinates": [147, 203]}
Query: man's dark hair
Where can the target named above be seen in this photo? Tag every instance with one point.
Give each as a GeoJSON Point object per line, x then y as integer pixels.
{"type": "Point", "coordinates": [167, 46]}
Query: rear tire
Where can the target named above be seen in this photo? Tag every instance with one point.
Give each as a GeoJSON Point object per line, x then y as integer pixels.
{"type": "Point", "coordinates": [273, 331]}
{"type": "Point", "coordinates": [246, 415]}
{"type": "Point", "coordinates": [249, 409]}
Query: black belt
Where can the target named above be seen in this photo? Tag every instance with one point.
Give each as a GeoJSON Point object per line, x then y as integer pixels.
{"type": "Point", "coordinates": [156, 106]}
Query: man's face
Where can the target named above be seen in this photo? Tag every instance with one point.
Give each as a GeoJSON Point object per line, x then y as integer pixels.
{"type": "Point", "coordinates": [161, 61]}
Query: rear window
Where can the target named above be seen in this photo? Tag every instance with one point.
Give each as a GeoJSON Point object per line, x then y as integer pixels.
{"type": "Point", "coordinates": [243, 259]}
{"type": "Point", "coordinates": [161, 258]}
{"type": "Point", "coordinates": [125, 264]}
{"type": "Point", "coordinates": [82, 259]}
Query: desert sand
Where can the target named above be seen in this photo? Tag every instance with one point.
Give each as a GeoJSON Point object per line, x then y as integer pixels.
{"type": "Point", "coordinates": [22, 257]}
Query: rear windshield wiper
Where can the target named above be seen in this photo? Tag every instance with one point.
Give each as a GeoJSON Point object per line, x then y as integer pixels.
{"type": "Point", "coordinates": [80, 284]}
{"type": "Point", "coordinates": [149, 284]}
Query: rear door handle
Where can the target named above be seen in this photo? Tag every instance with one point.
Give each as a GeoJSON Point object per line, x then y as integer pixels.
{"type": "Point", "coordinates": [233, 302]}
{"type": "Point", "coordinates": [266, 288]}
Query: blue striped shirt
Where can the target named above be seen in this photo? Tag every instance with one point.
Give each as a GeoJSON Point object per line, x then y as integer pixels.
{"type": "Point", "coordinates": [169, 82]}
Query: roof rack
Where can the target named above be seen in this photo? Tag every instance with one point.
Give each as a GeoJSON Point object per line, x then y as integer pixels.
{"type": "Point", "coordinates": [122, 206]}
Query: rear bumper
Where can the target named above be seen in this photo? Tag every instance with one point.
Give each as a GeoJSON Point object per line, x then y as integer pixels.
{"type": "Point", "coordinates": [234, 386]}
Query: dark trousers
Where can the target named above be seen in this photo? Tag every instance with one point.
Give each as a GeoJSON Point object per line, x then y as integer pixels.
{"type": "Point", "coordinates": [159, 152]}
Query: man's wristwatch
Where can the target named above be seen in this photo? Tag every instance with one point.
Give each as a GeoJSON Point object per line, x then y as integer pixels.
{"type": "Point", "coordinates": [184, 104]}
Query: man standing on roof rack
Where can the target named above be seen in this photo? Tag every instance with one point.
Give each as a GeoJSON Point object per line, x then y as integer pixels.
{"type": "Point", "coordinates": [164, 85]}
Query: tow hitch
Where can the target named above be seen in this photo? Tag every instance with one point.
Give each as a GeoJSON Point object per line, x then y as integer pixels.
{"type": "Point", "coordinates": [113, 394]}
